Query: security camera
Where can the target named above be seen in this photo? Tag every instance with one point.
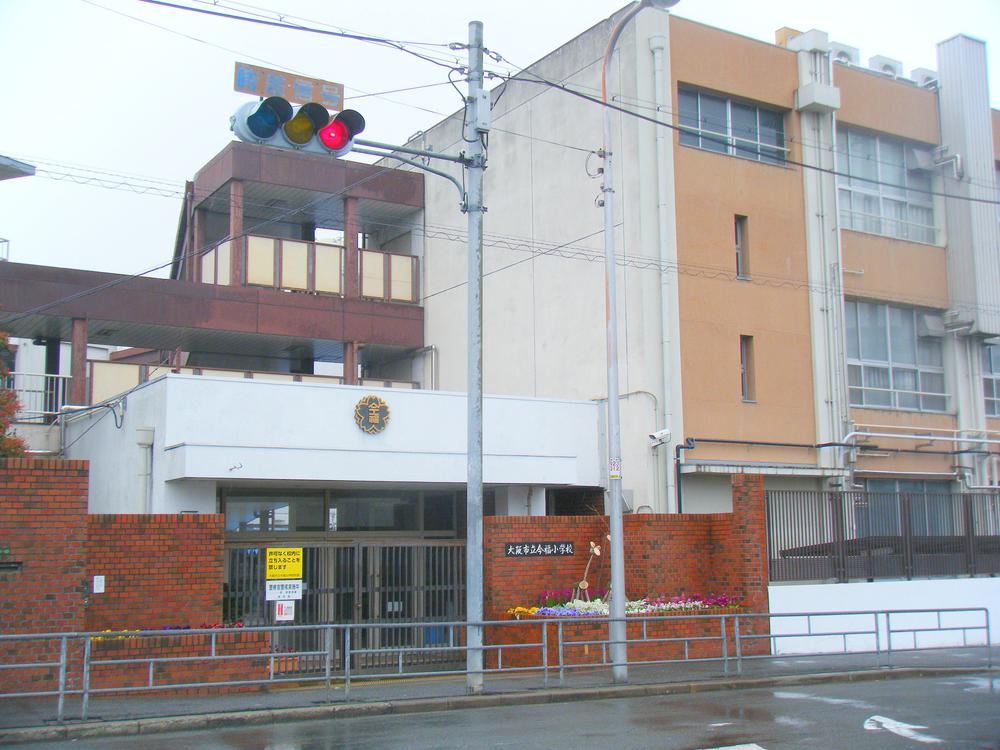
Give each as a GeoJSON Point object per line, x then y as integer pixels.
{"type": "Point", "coordinates": [660, 437]}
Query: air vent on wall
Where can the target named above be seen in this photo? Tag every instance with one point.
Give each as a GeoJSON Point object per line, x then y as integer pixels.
{"type": "Point", "coordinates": [844, 54]}
{"type": "Point", "coordinates": [925, 77]}
{"type": "Point", "coordinates": [886, 66]}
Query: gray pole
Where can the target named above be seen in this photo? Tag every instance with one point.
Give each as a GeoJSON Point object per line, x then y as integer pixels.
{"type": "Point", "coordinates": [476, 123]}
{"type": "Point", "coordinates": [616, 627]}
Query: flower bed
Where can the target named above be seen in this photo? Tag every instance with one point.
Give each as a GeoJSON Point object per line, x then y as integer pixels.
{"type": "Point", "coordinates": [659, 605]}
{"type": "Point", "coordinates": [681, 631]}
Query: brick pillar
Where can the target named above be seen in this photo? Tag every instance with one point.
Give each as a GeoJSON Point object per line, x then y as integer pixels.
{"type": "Point", "coordinates": [78, 363]}
{"type": "Point", "coordinates": [350, 363]}
{"type": "Point", "coordinates": [352, 284]}
{"type": "Point", "coordinates": [750, 532]}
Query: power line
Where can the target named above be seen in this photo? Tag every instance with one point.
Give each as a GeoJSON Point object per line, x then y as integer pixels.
{"type": "Point", "coordinates": [191, 254]}
{"type": "Point", "coordinates": [362, 93]}
{"type": "Point", "coordinates": [383, 41]}
{"type": "Point", "coordinates": [538, 248]}
{"type": "Point", "coordinates": [726, 142]}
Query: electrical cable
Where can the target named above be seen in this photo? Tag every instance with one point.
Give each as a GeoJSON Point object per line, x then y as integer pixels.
{"type": "Point", "coordinates": [722, 140]}
{"type": "Point", "coordinates": [362, 95]}
{"type": "Point", "coordinates": [309, 29]}
{"type": "Point", "coordinates": [193, 253]}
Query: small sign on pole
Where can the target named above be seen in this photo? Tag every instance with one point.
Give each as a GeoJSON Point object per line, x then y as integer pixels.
{"type": "Point", "coordinates": [284, 611]}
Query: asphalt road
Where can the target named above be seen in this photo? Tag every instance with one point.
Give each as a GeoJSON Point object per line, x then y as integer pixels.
{"type": "Point", "coordinates": [947, 712]}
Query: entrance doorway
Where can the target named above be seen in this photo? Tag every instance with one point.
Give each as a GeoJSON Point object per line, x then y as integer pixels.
{"type": "Point", "coordinates": [360, 583]}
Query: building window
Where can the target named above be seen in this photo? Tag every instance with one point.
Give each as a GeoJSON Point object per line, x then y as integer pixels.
{"type": "Point", "coordinates": [931, 508]}
{"type": "Point", "coordinates": [742, 247]}
{"type": "Point", "coordinates": [338, 511]}
{"type": "Point", "coordinates": [991, 379]}
{"type": "Point", "coordinates": [747, 375]}
{"type": "Point", "coordinates": [715, 123]}
{"type": "Point", "coordinates": [894, 357]}
{"type": "Point", "coordinates": [883, 184]}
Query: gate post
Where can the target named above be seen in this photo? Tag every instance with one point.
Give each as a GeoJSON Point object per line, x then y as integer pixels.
{"type": "Point", "coordinates": [839, 553]}
{"type": "Point", "coordinates": [970, 534]}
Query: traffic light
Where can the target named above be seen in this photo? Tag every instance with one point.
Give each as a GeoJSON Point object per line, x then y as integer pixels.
{"type": "Point", "coordinates": [275, 122]}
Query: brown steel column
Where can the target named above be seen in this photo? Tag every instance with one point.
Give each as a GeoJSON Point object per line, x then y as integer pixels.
{"type": "Point", "coordinates": [187, 248]}
{"type": "Point", "coordinates": [78, 362]}
{"type": "Point", "coordinates": [193, 261]}
{"type": "Point", "coordinates": [350, 363]}
{"type": "Point", "coordinates": [235, 232]}
{"type": "Point", "coordinates": [351, 280]}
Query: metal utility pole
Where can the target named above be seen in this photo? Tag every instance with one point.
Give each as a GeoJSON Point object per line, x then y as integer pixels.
{"type": "Point", "coordinates": [477, 124]}
{"type": "Point", "coordinates": [617, 631]}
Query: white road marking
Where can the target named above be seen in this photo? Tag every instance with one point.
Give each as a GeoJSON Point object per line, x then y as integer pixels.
{"type": "Point", "coordinates": [910, 731]}
{"type": "Point", "coordinates": [736, 747]}
{"type": "Point", "coordinates": [823, 699]}
{"type": "Point", "coordinates": [722, 724]}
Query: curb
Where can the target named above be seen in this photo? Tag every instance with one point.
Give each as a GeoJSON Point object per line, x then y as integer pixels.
{"type": "Point", "coordinates": [164, 724]}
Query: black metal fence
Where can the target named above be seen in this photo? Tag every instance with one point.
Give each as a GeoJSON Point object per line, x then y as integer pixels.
{"type": "Point", "coordinates": [421, 582]}
{"type": "Point", "coordinates": [842, 536]}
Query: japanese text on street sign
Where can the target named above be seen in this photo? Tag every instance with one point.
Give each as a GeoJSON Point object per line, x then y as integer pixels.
{"type": "Point", "coordinates": [284, 563]}
{"type": "Point", "coordinates": [615, 468]}
{"type": "Point", "coordinates": [284, 611]}
{"type": "Point", "coordinates": [253, 79]}
{"type": "Point", "coordinates": [538, 549]}
{"type": "Point", "coordinates": [283, 591]}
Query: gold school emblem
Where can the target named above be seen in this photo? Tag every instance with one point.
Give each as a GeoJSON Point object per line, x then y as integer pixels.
{"type": "Point", "coordinates": [371, 414]}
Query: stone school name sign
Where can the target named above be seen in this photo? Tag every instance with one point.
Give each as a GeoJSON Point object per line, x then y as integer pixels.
{"type": "Point", "coordinates": [538, 549]}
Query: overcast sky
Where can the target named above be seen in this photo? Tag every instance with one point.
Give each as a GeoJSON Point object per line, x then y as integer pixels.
{"type": "Point", "coordinates": [117, 102]}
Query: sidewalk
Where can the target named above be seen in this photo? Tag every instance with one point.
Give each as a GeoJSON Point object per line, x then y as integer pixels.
{"type": "Point", "coordinates": [29, 719]}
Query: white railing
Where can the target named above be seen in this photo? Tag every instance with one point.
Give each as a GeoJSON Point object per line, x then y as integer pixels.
{"type": "Point", "coordinates": [40, 395]}
{"type": "Point", "coordinates": [109, 379]}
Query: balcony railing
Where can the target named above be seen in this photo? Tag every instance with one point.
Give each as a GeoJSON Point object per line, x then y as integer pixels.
{"type": "Point", "coordinates": [843, 536]}
{"type": "Point", "coordinates": [312, 267]}
{"type": "Point", "coordinates": [40, 395]}
{"type": "Point", "coordinates": [109, 379]}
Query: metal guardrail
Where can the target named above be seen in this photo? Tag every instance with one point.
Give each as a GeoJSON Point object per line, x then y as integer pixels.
{"type": "Point", "coordinates": [341, 658]}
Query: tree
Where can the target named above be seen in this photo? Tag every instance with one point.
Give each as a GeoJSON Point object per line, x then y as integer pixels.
{"type": "Point", "coordinates": [11, 446]}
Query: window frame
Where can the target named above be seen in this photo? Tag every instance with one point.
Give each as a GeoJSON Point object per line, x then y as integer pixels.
{"type": "Point", "coordinates": [880, 189]}
{"type": "Point", "coordinates": [725, 141]}
{"type": "Point", "coordinates": [741, 232]}
{"type": "Point", "coordinates": [892, 370]}
{"type": "Point", "coordinates": [748, 374]}
{"type": "Point", "coordinates": [991, 379]}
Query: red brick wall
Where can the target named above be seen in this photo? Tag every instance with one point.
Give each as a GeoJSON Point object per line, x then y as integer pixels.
{"type": "Point", "coordinates": [671, 555]}
{"type": "Point", "coordinates": [739, 546]}
{"type": "Point", "coordinates": [43, 522]}
{"type": "Point", "coordinates": [160, 570]}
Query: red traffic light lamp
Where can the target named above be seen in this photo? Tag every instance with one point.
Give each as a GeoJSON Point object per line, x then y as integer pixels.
{"type": "Point", "coordinates": [275, 122]}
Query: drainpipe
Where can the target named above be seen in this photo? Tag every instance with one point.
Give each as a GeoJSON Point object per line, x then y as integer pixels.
{"type": "Point", "coordinates": [685, 446]}
{"type": "Point", "coordinates": [666, 232]}
{"type": "Point", "coordinates": [433, 351]}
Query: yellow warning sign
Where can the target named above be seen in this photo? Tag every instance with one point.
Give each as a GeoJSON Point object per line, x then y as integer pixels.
{"type": "Point", "coordinates": [284, 563]}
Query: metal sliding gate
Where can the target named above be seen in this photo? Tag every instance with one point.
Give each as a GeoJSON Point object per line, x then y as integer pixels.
{"type": "Point", "coordinates": [362, 583]}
